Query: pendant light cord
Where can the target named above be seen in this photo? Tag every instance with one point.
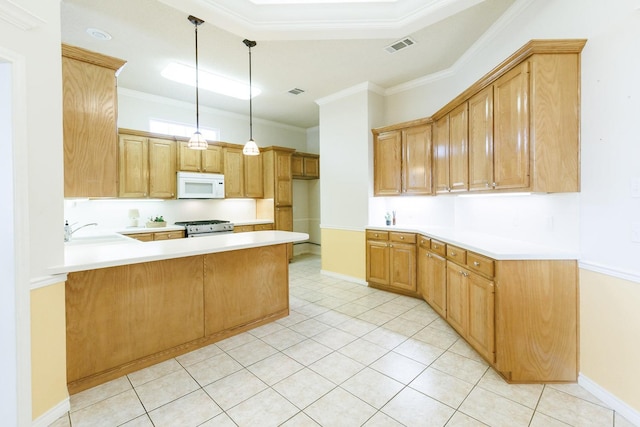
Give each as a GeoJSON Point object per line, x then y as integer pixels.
{"type": "Point", "coordinates": [197, 72]}
{"type": "Point", "coordinates": [250, 100]}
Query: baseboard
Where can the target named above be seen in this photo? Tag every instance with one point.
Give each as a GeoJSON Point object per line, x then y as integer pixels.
{"type": "Point", "coordinates": [52, 414]}
{"type": "Point", "coordinates": [306, 248]}
{"type": "Point", "coordinates": [344, 277]}
{"type": "Point", "coordinates": [631, 415]}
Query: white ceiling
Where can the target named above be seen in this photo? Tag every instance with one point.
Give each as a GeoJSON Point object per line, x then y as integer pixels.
{"type": "Point", "coordinates": [320, 46]}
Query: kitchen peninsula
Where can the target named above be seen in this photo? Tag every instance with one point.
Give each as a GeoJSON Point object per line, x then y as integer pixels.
{"type": "Point", "coordinates": [132, 304]}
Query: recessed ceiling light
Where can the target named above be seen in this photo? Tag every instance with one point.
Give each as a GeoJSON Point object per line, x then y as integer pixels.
{"type": "Point", "coordinates": [98, 34]}
{"type": "Point", "coordinates": [208, 81]}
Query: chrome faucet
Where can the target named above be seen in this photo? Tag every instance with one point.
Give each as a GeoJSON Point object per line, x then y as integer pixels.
{"type": "Point", "coordinates": [68, 232]}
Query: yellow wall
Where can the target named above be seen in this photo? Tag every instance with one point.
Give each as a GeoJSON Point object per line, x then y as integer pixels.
{"type": "Point", "coordinates": [48, 349]}
{"type": "Point", "coordinates": [343, 252]}
{"type": "Point", "coordinates": [609, 334]}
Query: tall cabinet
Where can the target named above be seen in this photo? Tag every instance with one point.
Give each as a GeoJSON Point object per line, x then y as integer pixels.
{"type": "Point", "coordinates": [90, 123]}
{"type": "Point", "coordinates": [277, 203]}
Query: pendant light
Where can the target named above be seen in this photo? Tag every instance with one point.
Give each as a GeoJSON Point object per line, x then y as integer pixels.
{"type": "Point", "coordinates": [250, 148]}
{"type": "Point", "coordinates": [197, 141]}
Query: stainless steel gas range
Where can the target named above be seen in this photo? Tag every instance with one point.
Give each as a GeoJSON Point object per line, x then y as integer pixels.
{"type": "Point", "coordinates": [206, 227]}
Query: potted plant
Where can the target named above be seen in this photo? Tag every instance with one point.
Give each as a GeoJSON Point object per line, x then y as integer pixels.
{"type": "Point", "coordinates": [157, 221]}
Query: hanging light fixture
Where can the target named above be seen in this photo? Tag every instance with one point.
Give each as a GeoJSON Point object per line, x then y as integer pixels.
{"type": "Point", "coordinates": [250, 148]}
{"type": "Point", "coordinates": [197, 141]}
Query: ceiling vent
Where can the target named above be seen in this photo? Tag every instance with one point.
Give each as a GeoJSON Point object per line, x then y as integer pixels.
{"type": "Point", "coordinates": [400, 44]}
{"type": "Point", "coordinates": [296, 91]}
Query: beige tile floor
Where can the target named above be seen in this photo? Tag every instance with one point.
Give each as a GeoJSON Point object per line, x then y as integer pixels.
{"type": "Point", "coordinates": [347, 355]}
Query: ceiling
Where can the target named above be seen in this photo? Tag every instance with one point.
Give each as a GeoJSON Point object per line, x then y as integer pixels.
{"type": "Point", "coordinates": [319, 46]}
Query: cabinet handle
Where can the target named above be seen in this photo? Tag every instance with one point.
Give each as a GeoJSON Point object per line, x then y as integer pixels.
{"type": "Point", "coordinates": [375, 235]}
{"type": "Point", "coordinates": [487, 184]}
{"type": "Point", "coordinates": [452, 253]}
{"type": "Point", "coordinates": [436, 246]}
{"type": "Point", "coordinates": [401, 237]}
{"type": "Point", "coordinates": [476, 263]}
{"type": "Point", "coordinates": [495, 185]}
{"type": "Point", "coordinates": [465, 274]}
{"type": "Point", "coordinates": [390, 246]}
{"type": "Point", "coordinates": [429, 256]}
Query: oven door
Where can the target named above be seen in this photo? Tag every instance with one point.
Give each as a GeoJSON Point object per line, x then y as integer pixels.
{"type": "Point", "coordinates": [215, 233]}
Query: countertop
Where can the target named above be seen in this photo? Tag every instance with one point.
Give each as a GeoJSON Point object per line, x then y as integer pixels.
{"type": "Point", "coordinates": [493, 247]}
{"type": "Point", "coordinates": [122, 250]}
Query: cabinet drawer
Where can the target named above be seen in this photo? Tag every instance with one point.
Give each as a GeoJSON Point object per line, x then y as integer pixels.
{"type": "Point", "coordinates": [377, 235]}
{"type": "Point", "coordinates": [480, 264]}
{"type": "Point", "coordinates": [456, 254]}
{"type": "Point", "coordinates": [166, 235]}
{"type": "Point", "coordinates": [438, 247]}
{"type": "Point", "coordinates": [259, 227]}
{"type": "Point", "coordinates": [424, 241]}
{"type": "Point", "coordinates": [242, 228]}
{"type": "Point", "coordinates": [143, 237]}
{"type": "Point", "coordinates": [402, 237]}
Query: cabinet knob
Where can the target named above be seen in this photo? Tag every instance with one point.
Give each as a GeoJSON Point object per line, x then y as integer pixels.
{"type": "Point", "coordinates": [428, 255]}
{"type": "Point", "coordinates": [476, 263]}
{"type": "Point", "coordinates": [401, 237]}
{"type": "Point", "coordinates": [452, 253]}
{"type": "Point", "coordinates": [465, 274]}
{"type": "Point", "coordinates": [495, 185]}
{"type": "Point", "coordinates": [375, 235]}
{"type": "Point", "coordinates": [390, 246]}
{"type": "Point", "coordinates": [435, 246]}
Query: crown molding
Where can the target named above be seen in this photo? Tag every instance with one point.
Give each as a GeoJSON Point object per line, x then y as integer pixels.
{"type": "Point", "coordinates": [18, 16]}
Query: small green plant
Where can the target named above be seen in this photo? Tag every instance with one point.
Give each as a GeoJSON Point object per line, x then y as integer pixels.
{"type": "Point", "coordinates": [158, 218]}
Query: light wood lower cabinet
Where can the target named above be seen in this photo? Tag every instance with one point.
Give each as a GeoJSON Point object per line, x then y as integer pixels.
{"type": "Point", "coordinates": [391, 261]}
{"type": "Point", "coordinates": [159, 235]}
{"type": "Point", "coordinates": [519, 315]}
{"type": "Point", "coordinates": [122, 319]}
{"type": "Point", "coordinates": [252, 227]}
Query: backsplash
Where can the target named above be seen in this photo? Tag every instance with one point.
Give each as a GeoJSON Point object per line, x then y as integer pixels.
{"type": "Point", "coordinates": [114, 213]}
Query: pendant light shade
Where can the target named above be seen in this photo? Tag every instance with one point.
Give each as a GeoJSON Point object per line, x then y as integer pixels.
{"type": "Point", "coordinates": [197, 141]}
{"type": "Point", "coordinates": [250, 148]}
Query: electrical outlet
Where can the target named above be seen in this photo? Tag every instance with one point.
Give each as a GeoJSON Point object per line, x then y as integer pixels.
{"type": "Point", "coordinates": [635, 232]}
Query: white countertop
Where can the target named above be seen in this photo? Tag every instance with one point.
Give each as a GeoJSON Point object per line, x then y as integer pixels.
{"type": "Point", "coordinates": [120, 250]}
{"type": "Point", "coordinates": [493, 247]}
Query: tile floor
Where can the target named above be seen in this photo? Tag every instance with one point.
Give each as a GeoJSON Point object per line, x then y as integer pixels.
{"type": "Point", "coordinates": [347, 355]}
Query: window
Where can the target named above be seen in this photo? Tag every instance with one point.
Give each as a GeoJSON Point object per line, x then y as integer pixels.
{"type": "Point", "coordinates": [181, 129]}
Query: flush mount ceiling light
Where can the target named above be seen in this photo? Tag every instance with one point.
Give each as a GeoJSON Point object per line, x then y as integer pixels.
{"type": "Point", "coordinates": [250, 148]}
{"type": "Point", "coordinates": [99, 34]}
{"type": "Point", "coordinates": [186, 74]}
{"type": "Point", "coordinates": [197, 141]}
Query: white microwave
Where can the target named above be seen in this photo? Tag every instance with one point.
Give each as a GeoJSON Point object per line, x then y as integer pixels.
{"type": "Point", "coordinates": [193, 185]}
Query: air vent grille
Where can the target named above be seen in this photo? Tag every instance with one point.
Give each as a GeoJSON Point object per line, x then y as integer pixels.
{"type": "Point", "coordinates": [400, 44]}
{"type": "Point", "coordinates": [296, 91]}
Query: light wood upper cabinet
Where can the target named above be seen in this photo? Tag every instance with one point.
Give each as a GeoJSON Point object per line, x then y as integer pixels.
{"type": "Point", "coordinates": [253, 176]}
{"type": "Point", "coordinates": [403, 161]}
{"type": "Point", "coordinates": [481, 140]}
{"type": "Point", "coordinates": [134, 166]}
{"type": "Point", "coordinates": [162, 168]}
{"type": "Point", "coordinates": [90, 123]}
{"type": "Point", "coordinates": [305, 166]}
{"type": "Point", "coordinates": [458, 149]}
{"type": "Point", "coordinates": [147, 167]}
{"type": "Point", "coordinates": [207, 161]}
{"type": "Point", "coordinates": [278, 178]}
{"type": "Point", "coordinates": [441, 154]}
{"type": "Point", "coordinates": [387, 163]}
{"type": "Point", "coordinates": [511, 135]}
{"type": "Point", "coordinates": [233, 172]}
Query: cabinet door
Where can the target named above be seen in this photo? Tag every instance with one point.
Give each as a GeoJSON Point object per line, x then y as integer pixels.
{"type": "Point", "coordinates": [387, 164]}
{"type": "Point", "coordinates": [162, 168]}
{"type": "Point", "coordinates": [511, 133]}
{"type": "Point", "coordinates": [481, 140]}
{"type": "Point", "coordinates": [311, 167]}
{"type": "Point", "coordinates": [458, 149]}
{"type": "Point", "coordinates": [284, 218]}
{"type": "Point", "coordinates": [441, 155]}
{"type": "Point", "coordinates": [378, 262]}
{"type": "Point", "coordinates": [233, 172]}
{"type": "Point", "coordinates": [89, 127]}
{"type": "Point", "coordinates": [134, 166]}
{"type": "Point", "coordinates": [416, 160]}
{"type": "Point", "coordinates": [437, 283]}
{"type": "Point", "coordinates": [253, 176]}
{"type": "Point", "coordinates": [297, 166]}
{"type": "Point", "coordinates": [457, 298]}
{"type": "Point", "coordinates": [402, 266]}
{"type": "Point", "coordinates": [480, 328]}
{"type": "Point", "coordinates": [188, 160]}
{"type": "Point", "coordinates": [211, 159]}
{"type": "Point", "coordinates": [283, 179]}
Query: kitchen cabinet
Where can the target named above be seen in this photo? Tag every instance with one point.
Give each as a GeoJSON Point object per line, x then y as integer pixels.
{"type": "Point", "coordinates": [432, 280]}
{"type": "Point", "coordinates": [147, 167]}
{"type": "Point", "coordinates": [252, 227]}
{"type": "Point", "coordinates": [481, 140]}
{"type": "Point", "coordinates": [403, 160]}
{"type": "Point", "coordinates": [305, 166]}
{"type": "Point", "coordinates": [158, 235]}
{"type": "Point", "coordinates": [452, 161]}
{"type": "Point", "coordinates": [90, 104]}
{"type": "Point", "coordinates": [243, 174]}
{"type": "Point", "coordinates": [207, 161]}
{"type": "Point", "coordinates": [391, 261]}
